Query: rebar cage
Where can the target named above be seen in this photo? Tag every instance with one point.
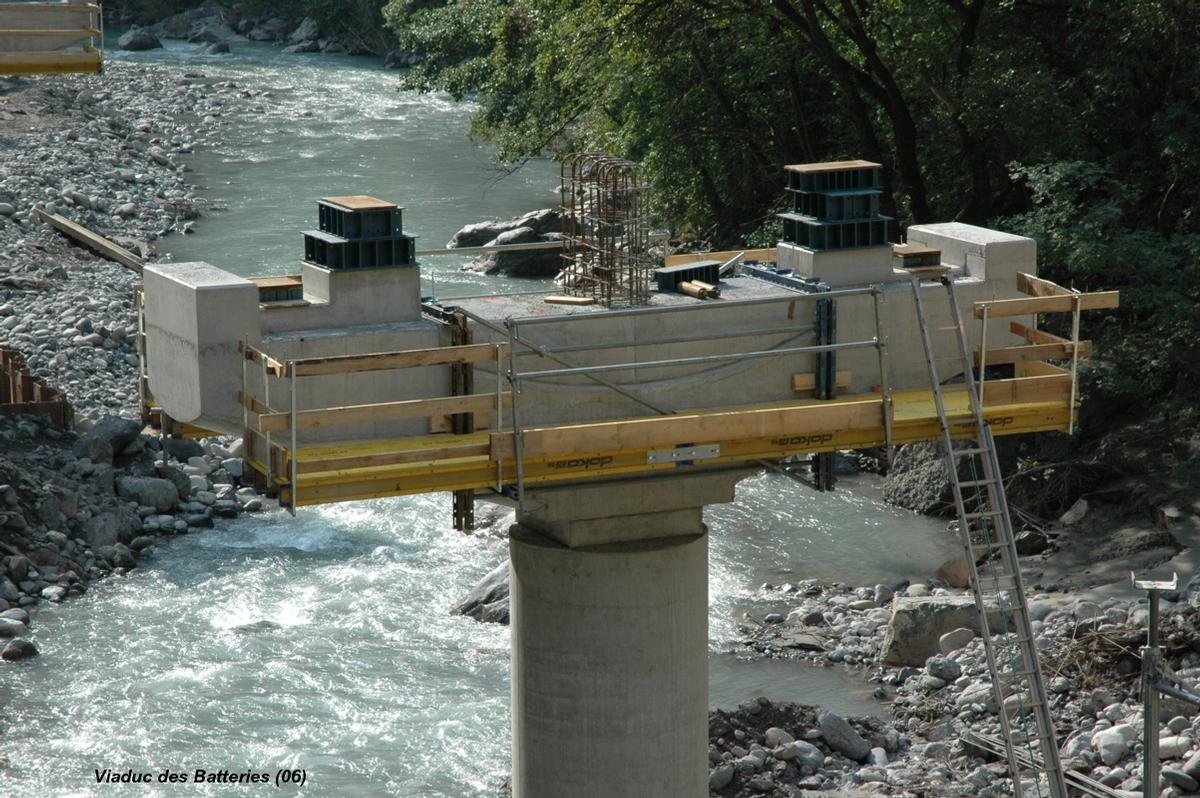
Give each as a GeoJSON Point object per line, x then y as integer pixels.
{"type": "Point", "coordinates": [605, 222]}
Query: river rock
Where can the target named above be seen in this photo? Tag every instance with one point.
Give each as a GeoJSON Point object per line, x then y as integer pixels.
{"type": "Point", "coordinates": [1113, 744]}
{"type": "Point", "coordinates": [16, 614]}
{"type": "Point", "coordinates": [110, 435]}
{"type": "Point", "coordinates": [918, 623]}
{"type": "Point", "coordinates": [955, 573]}
{"type": "Point", "coordinates": [919, 480]}
{"type": "Point", "coordinates": [307, 31]}
{"type": "Point", "coordinates": [138, 39]}
{"type": "Point", "coordinates": [720, 777]}
{"type": "Point", "coordinates": [1173, 747]}
{"type": "Point", "coordinates": [542, 222]}
{"type": "Point", "coordinates": [18, 650]}
{"type": "Point", "coordinates": [10, 627]}
{"type": "Point", "coordinates": [102, 529]}
{"type": "Point", "coordinates": [538, 263]}
{"type": "Point", "coordinates": [841, 736]}
{"type": "Point", "coordinates": [161, 494]}
{"type": "Point", "coordinates": [1180, 779]}
{"type": "Point", "coordinates": [269, 30]}
{"type": "Point", "coordinates": [488, 600]}
{"type": "Point", "coordinates": [776, 736]}
{"type": "Point", "coordinates": [216, 48]}
{"type": "Point", "coordinates": [954, 640]}
{"type": "Point", "coordinates": [942, 668]}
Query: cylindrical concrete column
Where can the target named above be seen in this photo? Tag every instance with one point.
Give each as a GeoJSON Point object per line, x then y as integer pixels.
{"type": "Point", "coordinates": [609, 668]}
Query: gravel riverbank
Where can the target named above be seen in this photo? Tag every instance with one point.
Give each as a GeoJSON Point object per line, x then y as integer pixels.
{"type": "Point", "coordinates": [105, 152]}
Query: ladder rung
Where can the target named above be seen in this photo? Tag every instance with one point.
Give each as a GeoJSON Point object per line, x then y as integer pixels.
{"type": "Point", "coordinates": [975, 483]}
{"type": "Point", "coordinates": [984, 514]}
{"type": "Point", "coordinates": [987, 548]}
{"type": "Point", "coordinates": [971, 451]}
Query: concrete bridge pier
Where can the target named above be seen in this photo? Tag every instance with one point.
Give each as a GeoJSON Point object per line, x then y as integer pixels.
{"type": "Point", "coordinates": [609, 613]}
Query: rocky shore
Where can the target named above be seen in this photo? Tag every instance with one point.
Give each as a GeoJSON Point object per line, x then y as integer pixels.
{"type": "Point", "coordinates": [79, 505]}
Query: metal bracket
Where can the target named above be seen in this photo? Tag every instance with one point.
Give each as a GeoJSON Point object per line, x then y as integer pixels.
{"type": "Point", "coordinates": [683, 454]}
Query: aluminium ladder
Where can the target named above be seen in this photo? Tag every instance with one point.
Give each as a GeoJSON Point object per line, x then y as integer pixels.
{"type": "Point", "coordinates": [1024, 710]}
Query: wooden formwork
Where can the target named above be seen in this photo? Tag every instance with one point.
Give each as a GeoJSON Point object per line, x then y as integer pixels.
{"type": "Point", "coordinates": [22, 393]}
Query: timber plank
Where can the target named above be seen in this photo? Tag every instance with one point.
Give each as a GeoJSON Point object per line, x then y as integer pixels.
{"type": "Point", "coordinates": [659, 431]}
{"type": "Point", "coordinates": [412, 358]}
{"type": "Point", "coordinates": [382, 411]}
{"type": "Point", "coordinates": [808, 381]}
{"type": "Point", "coordinates": [1038, 286]}
{"type": "Point", "coordinates": [93, 241]}
{"type": "Point", "coordinates": [997, 308]}
{"type": "Point", "coordinates": [1021, 354]}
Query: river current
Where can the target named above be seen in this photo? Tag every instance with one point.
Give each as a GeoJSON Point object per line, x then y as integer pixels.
{"type": "Point", "coordinates": [325, 642]}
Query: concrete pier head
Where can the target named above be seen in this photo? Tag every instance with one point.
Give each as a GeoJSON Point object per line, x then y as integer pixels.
{"type": "Point", "coordinates": [610, 639]}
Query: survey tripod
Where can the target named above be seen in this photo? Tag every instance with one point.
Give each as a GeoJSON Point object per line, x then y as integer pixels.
{"type": "Point", "coordinates": [1157, 678]}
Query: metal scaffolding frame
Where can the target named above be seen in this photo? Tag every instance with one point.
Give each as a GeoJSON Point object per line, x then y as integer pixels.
{"type": "Point", "coordinates": [605, 224]}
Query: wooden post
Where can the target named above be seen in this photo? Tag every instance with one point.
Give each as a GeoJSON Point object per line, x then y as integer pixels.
{"type": "Point", "coordinates": [462, 383]}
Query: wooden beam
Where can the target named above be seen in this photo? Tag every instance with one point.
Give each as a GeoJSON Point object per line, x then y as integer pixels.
{"type": "Point", "coordinates": [411, 358]}
{"type": "Point", "coordinates": [997, 308]}
{"type": "Point", "coordinates": [661, 431]}
{"type": "Point", "coordinates": [382, 411]}
{"type": "Point", "coordinates": [1036, 368]}
{"type": "Point", "coordinates": [808, 381]}
{"type": "Point", "coordinates": [274, 367]}
{"type": "Point", "coordinates": [556, 299]}
{"type": "Point", "coordinates": [93, 241]}
{"type": "Point", "coordinates": [1038, 286]}
{"type": "Point", "coordinates": [765, 254]}
{"type": "Point", "coordinates": [252, 404]}
{"type": "Point", "coordinates": [1035, 336]}
{"type": "Point", "coordinates": [1027, 390]}
{"type": "Point", "coordinates": [1020, 354]}
{"type": "Point", "coordinates": [56, 62]}
{"type": "Point", "coordinates": [391, 458]}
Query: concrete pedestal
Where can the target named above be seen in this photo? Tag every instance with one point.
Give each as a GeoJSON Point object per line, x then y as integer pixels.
{"type": "Point", "coordinates": [609, 612]}
{"type": "Point", "coordinates": [609, 668]}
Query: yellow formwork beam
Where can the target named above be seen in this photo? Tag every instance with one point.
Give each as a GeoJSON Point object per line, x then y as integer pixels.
{"type": "Point", "coordinates": [913, 420]}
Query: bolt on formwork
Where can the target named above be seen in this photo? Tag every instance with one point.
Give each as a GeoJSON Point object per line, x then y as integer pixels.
{"type": "Point", "coordinates": [605, 221]}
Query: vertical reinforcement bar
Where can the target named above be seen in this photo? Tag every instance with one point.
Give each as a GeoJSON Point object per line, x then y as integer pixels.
{"type": "Point", "coordinates": [1074, 362]}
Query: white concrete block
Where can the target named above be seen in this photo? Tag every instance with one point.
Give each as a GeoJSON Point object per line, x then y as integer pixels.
{"type": "Point", "coordinates": [196, 314]}
{"type": "Point", "coordinates": [840, 267]}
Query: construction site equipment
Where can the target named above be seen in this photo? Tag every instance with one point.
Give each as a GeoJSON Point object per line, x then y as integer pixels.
{"type": "Point", "coordinates": [994, 746]}
{"type": "Point", "coordinates": [23, 393]}
{"type": "Point", "coordinates": [358, 232]}
{"type": "Point", "coordinates": [38, 38]}
{"type": "Point", "coordinates": [835, 205]}
{"type": "Point", "coordinates": [980, 502]}
{"type": "Point", "coordinates": [1156, 678]}
{"type": "Point", "coordinates": [1038, 399]}
{"type": "Point", "coordinates": [606, 224]}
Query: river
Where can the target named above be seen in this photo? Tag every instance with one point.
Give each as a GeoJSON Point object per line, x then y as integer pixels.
{"type": "Point", "coordinates": [324, 642]}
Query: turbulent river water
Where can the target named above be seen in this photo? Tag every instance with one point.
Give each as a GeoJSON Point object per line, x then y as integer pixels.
{"type": "Point", "coordinates": [324, 642]}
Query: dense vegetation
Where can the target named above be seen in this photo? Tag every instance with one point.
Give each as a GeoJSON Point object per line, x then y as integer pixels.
{"type": "Point", "coordinates": [1074, 121]}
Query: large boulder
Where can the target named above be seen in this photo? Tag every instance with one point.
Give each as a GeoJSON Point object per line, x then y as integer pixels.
{"type": "Point", "coordinates": [211, 31]}
{"type": "Point", "coordinates": [269, 30]}
{"type": "Point", "coordinates": [138, 39]}
{"type": "Point", "coordinates": [488, 600]}
{"type": "Point", "coordinates": [161, 494]}
{"type": "Point", "coordinates": [542, 222]}
{"type": "Point", "coordinates": [919, 622]}
{"type": "Point", "coordinates": [307, 31]}
{"type": "Point", "coordinates": [110, 435]}
{"type": "Point", "coordinates": [536, 263]}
